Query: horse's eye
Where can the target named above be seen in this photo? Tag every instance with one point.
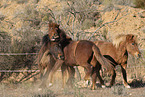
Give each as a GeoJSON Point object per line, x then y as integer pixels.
{"type": "Point", "coordinates": [56, 28]}
{"type": "Point", "coordinates": [132, 43]}
{"type": "Point", "coordinates": [59, 45]}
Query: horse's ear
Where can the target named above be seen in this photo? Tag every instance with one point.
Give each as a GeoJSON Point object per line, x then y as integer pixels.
{"type": "Point", "coordinates": [57, 25]}
{"type": "Point", "coordinates": [130, 37]}
{"type": "Point", "coordinates": [50, 24]}
{"type": "Point", "coordinates": [68, 37]}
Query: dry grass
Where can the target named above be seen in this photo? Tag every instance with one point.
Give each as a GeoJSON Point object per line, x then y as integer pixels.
{"type": "Point", "coordinates": [30, 90]}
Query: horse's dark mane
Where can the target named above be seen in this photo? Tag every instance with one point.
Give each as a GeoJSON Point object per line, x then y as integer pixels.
{"type": "Point", "coordinates": [64, 39]}
{"type": "Point", "coordinates": [45, 39]}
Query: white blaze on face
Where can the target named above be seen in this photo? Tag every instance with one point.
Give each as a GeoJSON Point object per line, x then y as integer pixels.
{"type": "Point", "coordinates": [52, 39]}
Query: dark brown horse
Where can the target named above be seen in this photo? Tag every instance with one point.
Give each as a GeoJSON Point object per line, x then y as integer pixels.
{"type": "Point", "coordinates": [117, 52]}
{"type": "Point", "coordinates": [86, 54]}
{"type": "Point", "coordinates": [50, 55]}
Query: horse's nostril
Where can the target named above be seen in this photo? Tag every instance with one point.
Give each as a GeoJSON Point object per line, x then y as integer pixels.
{"type": "Point", "coordinates": [62, 57]}
{"type": "Point", "coordinates": [56, 36]}
{"type": "Point", "coordinates": [139, 55]}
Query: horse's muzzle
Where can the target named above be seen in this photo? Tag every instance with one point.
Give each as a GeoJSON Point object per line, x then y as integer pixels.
{"type": "Point", "coordinates": [138, 55]}
{"type": "Point", "coordinates": [61, 57]}
{"type": "Point", "coordinates": [54, 38]}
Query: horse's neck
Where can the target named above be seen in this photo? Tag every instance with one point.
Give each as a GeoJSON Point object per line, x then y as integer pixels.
{"type": "Point", "coordinates": [122, 53]}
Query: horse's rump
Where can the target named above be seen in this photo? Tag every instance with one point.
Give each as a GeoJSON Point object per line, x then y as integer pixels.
{"type": "Point", "coordinates": [84, 51]}
{"type": "Point", "coordinates": [107, 49]}
{"type": "Point", "coordinates": [117, 51]}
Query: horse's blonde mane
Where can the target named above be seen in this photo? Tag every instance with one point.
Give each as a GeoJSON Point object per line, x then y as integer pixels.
{"type": "Point", "coordinates": [118, 39]}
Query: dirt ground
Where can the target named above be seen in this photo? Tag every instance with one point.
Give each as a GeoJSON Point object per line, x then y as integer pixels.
{"type": "Point", "coordinates": [30, 89]}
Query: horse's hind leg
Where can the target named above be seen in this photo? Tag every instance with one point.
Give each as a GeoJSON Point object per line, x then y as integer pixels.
{"type": "Point", "coordinates": [57, 64]}
{"type": "Point", "coordinates": [88, 71]}
{"type": "Point", "coordinates": [98, 68]}
{"type": "Point", "coordinates": [41, 70]}
{"type": "Point", "coordinates": [71, 72]}
{"type": "Point", "coordinates": [45, 74]}
{"type": "Point", "coordinates": [113, 78]}
{"type": "Point", "coordinates": [63, 71]}
{"type": "Point", "coordinates": [44, 78]}
{"type": "Point", "coordinates": [94, 77]}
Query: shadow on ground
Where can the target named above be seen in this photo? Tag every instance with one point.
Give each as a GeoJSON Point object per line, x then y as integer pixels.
{"type": "Point", "coordinates": [137, 83]}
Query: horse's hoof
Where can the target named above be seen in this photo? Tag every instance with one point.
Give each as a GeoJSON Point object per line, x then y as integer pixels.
{"type": "Point", "coordinates": [50, 84]}
{"type": "Point", "coordinates": [103, 86]}
{"type": "Point", "coordinates": [128, 87]}
{"type": "Point", "coordinates": [86, 82]}
{"type": "Point", "coordinates": [93, 88]}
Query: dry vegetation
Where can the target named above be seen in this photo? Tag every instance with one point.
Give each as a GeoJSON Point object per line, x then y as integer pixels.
{"type": "Point", "coordinates": [24, 22]}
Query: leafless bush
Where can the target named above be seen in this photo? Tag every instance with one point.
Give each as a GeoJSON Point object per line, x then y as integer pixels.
{"type": "Point", "coordinates": [140, 3]}
{"type": "Point", "coordinates": [78, 16]}
{"type": "Point", "coordinates": [25, 39]}
{"type": "Point", "coordinates": [119, 2]}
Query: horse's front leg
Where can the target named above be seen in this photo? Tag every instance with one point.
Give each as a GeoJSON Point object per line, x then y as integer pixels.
{"type": "Point", "coordinates": [123, 68]}
{"type": "Point", "coordinates": [88, 72]}
{"type": "Point", "coordinates": [44, 78]}
{"type": "Point", "coordinates": [56, 66]}
{"type": "Point", "coordinates": [71, 72]}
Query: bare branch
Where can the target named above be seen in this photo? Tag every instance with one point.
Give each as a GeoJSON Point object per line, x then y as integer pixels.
{"type": "Point", "coordinates": [106, 24]}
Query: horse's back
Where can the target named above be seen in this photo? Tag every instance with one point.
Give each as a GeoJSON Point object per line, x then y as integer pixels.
{"type": "Point", "coordinates": [78, 52]}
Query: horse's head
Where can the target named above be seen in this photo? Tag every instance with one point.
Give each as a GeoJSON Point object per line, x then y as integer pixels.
{"type": "Point", "coordinates": [57, 51]}
{"type": "Point", "coordinates": [54, 32]}
{"type": "Point", "coordinates": [132, 46]}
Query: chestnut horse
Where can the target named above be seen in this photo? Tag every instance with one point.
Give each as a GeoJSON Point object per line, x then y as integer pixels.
{"type": "Point", "coordinates": [50, 55]}
{"type": "Point", "coordinates": [86, 54]}
{"type": "Point", "coordinates": [77, 53]}
{"type": "Point", "coordinates": [117, 52]}
{"type": "Point", "coordinates": [80, 53]}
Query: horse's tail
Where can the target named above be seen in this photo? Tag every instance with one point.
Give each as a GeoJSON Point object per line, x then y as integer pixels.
{"type": "Point", "coordinates": [40, 54]}
{"type": "Point", "coordinates": [45, 41]}
{"type": "Point", "coordinates": [43, 62]}
{"type": "Point", "coordinates": [106, 64]}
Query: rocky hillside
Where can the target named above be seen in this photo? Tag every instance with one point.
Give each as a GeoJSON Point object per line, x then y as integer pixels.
{"type": "Point", "coordinates": [21, 16]}
{"type": "Point", "coordinates": [124, 20]}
